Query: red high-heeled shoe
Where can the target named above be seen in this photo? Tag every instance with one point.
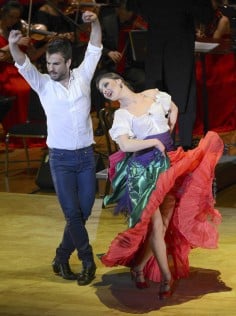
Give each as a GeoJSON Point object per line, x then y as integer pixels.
{"type": "Point", "coordinates": [136, 276]}
{"type": "Point", "coordinates": [166, 289]}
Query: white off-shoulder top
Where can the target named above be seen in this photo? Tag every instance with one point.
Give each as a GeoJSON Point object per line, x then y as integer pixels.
{"type": "Point", "coordinates": [154, 122]}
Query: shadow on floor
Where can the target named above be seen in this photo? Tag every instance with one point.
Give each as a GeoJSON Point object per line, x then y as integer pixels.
{"type": "Point", "coordinates": [116, 291]}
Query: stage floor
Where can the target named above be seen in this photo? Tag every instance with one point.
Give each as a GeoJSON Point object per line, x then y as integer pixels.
{"type": "Point", "coordinates": [31, 227]}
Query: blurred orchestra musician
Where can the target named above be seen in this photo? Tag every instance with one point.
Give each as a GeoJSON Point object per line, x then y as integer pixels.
{"type": "Point", "coordinates": [132, 70]}
{"type": "Point", "coordinates": [64, 18]}
{"type": "Point", "coordinates": [11, 82]}
{"type": "Point", "coordinates": [220, 67]}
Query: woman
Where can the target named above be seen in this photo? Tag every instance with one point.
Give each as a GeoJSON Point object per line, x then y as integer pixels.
{"type": "Point", "coordinates": [220, 67]}
{"type": "Point", "coordinates": [167, 194]}
{"type": "Point", "coordinates": [11, 82]}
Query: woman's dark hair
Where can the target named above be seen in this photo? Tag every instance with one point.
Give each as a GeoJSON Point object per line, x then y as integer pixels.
{"type": "Point", "coordinates": [111, 75]}
{"type": "Point", "coordinates": [62, 46]}
{"type": "Point", "coordinates": [219, 2]}
{"type": "Point", "coordinates": [11, 5]}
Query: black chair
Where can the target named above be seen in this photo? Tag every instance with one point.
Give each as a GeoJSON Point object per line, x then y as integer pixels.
{"type": "Point", "coordinates": [5, 105]}
{"type": "Point", "coordinates": [106, 116]}
{"type": "Point", "coordinates": [34, 127]}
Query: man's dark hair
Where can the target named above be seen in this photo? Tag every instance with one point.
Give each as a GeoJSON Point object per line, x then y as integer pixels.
{"type": "Point", "coordinates": [62, 46]}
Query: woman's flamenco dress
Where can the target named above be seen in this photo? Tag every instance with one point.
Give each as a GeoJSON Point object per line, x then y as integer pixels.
{"type": "Point", "coordinates": [140, 184]}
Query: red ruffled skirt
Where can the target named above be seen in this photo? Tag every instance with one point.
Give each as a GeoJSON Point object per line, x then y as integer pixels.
{"type": "Point", "coordinates": [194, 221]}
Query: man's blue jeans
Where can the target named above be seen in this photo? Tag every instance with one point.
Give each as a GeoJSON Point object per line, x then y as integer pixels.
{"type": "Point", "coordinates": [74, 177]}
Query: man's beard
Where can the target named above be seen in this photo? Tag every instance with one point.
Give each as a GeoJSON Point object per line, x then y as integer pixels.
{"type": "Point", "coordinates": [57, 77]}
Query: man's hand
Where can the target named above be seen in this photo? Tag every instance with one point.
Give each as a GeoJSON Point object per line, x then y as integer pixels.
{"type": "Point", "coordinates": [15, 39]}
{"type": "Point", "coordinates": [15, 36]}
{"type": "Point", "coordinates": [89, 17]}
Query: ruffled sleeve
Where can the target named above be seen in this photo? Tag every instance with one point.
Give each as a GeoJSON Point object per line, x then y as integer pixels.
{"type": "Point", "coordinates": [164, 99]}
{"type": "Point", "coordinates": [121, 125]}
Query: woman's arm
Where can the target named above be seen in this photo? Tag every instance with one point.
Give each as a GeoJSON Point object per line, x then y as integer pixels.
{"type": "Point", "coordinates": [35, 53]}
{"type": "Point", "coordinates": [223, 28]}
{"type": "Point", "coordinates": [173, 113]}
{"type": "Point", "coordinates": [5, 55]}
{"type": "Point", "coordinates": [127, 144]}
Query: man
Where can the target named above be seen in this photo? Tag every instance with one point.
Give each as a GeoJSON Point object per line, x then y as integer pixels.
{"type": "Point", "coordinates": [170, 62]}
{"type": "Point", "coordinates": [65, 97]}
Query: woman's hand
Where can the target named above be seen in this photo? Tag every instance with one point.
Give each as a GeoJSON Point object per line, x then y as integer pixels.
{"type": "Point", "coordinates": [160, 146]}
{"type": "Point", "coordinates": [5, 56]}
{"type": "Point", "coordinates": [115, 56]}
{"type": "Point", "coordinates": [24, 41]}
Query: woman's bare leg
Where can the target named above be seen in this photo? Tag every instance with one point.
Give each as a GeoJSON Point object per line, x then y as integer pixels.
{"type": "Point", "coordinates": [166, 209]}
{"type": "Point", "coordinates": [155, 244]}
{"type": "Point", "coordinates": [158, 245]}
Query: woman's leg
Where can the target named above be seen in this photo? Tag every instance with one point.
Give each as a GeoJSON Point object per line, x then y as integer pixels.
{"type": "Point", "coordinates": [154, 245]}
{"type": "Point", "coordinates": [158, 245]}
{"type": "Point", "coordinates": [166, 210]}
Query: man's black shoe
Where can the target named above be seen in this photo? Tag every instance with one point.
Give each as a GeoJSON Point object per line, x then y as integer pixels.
{"type": "Point", "coordinates": [87, 275]}
{"type": "Point", "coordinates": [63, 270]}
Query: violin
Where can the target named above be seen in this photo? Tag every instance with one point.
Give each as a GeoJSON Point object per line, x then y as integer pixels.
{"type": "Point", "coordinates": [90, 5]}
{"type": "Point", "coordinates": [37, 32]}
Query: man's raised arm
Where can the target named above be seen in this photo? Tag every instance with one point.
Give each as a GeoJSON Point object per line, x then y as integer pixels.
{"type": "Point", "coordinates": [96, 33]}
{"type": "Point", "coordinates": [17, 54]}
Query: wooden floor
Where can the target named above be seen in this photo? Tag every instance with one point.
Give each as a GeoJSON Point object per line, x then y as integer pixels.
{"type": "Point", "coordinates": [31, 226]}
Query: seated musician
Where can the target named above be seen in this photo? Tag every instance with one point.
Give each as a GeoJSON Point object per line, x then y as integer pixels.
{"type": "Point", "coordinates": [11, 82]}
{"type": "Point", "coordinates": [57, 16]}
{"type": "Point", "coordinates": [220, 75]}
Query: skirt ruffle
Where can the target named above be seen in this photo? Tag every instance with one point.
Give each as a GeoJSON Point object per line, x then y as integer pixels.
{"type": "Point", "coordinates": [194, 221]}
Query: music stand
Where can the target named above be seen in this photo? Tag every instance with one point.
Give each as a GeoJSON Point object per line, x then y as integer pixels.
{"type": "Point", "coordinates": [138, 42]}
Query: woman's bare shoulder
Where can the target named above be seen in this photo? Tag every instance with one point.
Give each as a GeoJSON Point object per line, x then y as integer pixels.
{"type": "Point", "coordinates": [151, 93]}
